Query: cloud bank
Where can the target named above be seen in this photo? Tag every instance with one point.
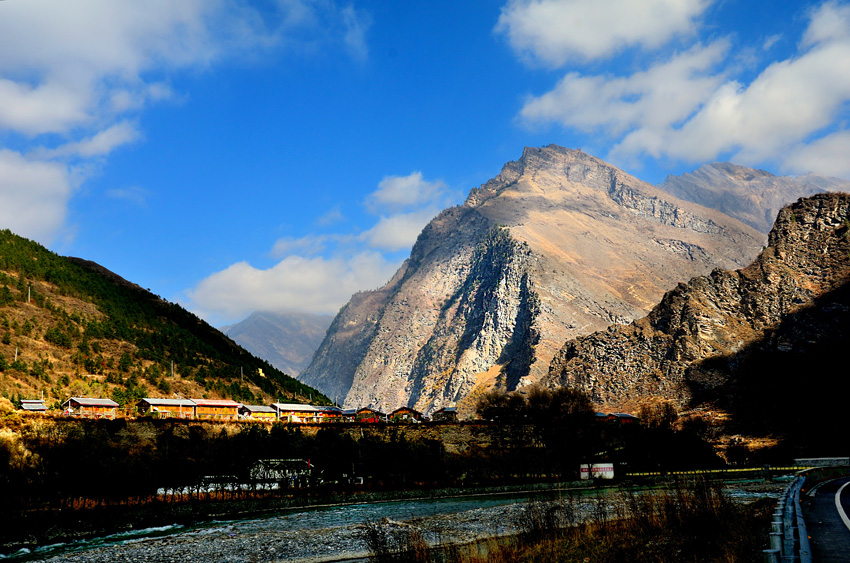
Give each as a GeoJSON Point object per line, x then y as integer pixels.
{"type": "Point", "coordinates": [693, 104]}
{"type": "Point", "coordinates": [314, 285]}
{"type": "Point", "coordinates": [318, 273]}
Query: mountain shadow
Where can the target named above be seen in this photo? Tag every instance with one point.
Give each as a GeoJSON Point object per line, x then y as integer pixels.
{"type": "Point", "coordinates": [789, 383]}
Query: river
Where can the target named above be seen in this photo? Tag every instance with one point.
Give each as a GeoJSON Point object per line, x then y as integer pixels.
{"type": "Point", "coordinates": [313, 535]}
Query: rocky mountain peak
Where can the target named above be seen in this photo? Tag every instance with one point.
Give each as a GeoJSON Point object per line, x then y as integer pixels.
{"type": "Point", "coordinates": [576, 166]}
{"type": "Point", "coordinates": [557, 245]}
{"type": "Point", "coordinates": [671, 352]}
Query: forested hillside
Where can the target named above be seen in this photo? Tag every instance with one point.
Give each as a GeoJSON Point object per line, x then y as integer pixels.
{"type": "Point", "coordinates": [69, 327]}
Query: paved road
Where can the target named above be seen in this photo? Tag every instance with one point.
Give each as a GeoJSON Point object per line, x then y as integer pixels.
{"type": "Point", "coordinates": [830, 536]}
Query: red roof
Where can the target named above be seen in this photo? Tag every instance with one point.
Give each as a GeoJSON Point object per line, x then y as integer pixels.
{"type": "Point", "coordinates": [216, 403]}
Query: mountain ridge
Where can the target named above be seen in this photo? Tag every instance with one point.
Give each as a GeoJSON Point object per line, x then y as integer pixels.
{"type": "Point", "coordinates": [578, 245]}
{"type": "Point", "coordinates": [287, 340]}
{"type": "Point", "coordinates": [673, 352]}
{"type": "Point", "coordinates": [750, 195]}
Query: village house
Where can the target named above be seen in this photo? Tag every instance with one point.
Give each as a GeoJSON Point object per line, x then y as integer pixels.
{"type": "Point", "coordinates": [166, 408]}
{"type": "Point", "coordinates": [295, 412]}
{"type": "Point", "coordinates": [84, 407]}
{"type": "Point", "coordinates": [405, 414]}
{"type": "Point", "coordinates": [366, 414]}
{"type": "Point", "coordinates": [445, 414]}
{"type": "Point", "coordinates": [216, 409]}
{"type": "Point", "coordinates": [263, 413]}
{"type": "Point", "coordinates": [328, 414]}
{"type": "Point", "coordinates": [33, 405]}
{"type": "Point", "coordinates": [619, 417]}
{"type": "Point", "coordinates": [623, 418]}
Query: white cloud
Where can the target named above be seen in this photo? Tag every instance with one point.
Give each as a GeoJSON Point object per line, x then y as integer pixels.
{"type": "Point", "coordinates": [134, 194]}
{"type": "Point", "coordinates": [41, 109]}
{"type": "Point", "coordinates": [769, 42]}
{"type": "Point", "coordinates": [405, 205]}
{"type": "Point", "coordinates": [126, 100]}
{"type": "Point", "coordinates": [827, 155]}
{"type": "Point", "coordinates": [100, 144]}
{"type": "Point", "coordinates": [307, 245]}
{"type": "Point", "coordinates": [396, 193]}
{"type": "Point", "coordinates": [33, 195]}
{"type": "Point", "coordinates": [789, 101]}
{"type": "Point", "coordinates": [828, 22]}
{"type": "Point", "coordinates": [399, 231]}
{"type": "Point", "coordinates": [655, 98]}
{"type": "Point", "coordinates": [320, 272]}
{"type": "Point", "coordinates": [63, 60]}
{"type": "Point", "coordinates": [556, 31]}
{"type": "Point", "coordinates": [334, 215]}
{"type": "Point", "coordinates": [696, 107]}
{"type": "Point", "coordinates": [68, 64]}
{"type": "Point", "coordinates": [316, 285]}
{"type": "Point", "coordinates": [356, 24]}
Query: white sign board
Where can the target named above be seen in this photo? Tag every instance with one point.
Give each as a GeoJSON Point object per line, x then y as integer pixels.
{"type": "Point", "coordinates": [597, 470]}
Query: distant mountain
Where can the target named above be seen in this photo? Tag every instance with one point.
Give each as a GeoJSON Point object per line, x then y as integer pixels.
{"type": "Point", "coordinates": [767, 342]}
{"type": "Point", "coordinates": [752, 196]}
{"type": "Point", "coordinates": [70, 327]}
{"type": "Point", "coordinates": [286, 340]}
{"type": "Point", "coordinates": [558, 245]}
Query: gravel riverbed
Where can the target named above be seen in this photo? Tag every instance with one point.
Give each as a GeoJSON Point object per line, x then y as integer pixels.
{"type": "Point", "coordinates": [265, 540]}
{"type": "Point", "coordinates": [335, 534]}
{"type": "Point", "coordinates": [277, 539]}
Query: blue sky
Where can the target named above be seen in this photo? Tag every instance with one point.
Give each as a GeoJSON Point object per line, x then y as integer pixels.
{"type": "Point", "coordinates": [238, 155]}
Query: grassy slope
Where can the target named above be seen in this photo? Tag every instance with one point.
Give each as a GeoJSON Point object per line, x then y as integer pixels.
{"type": "Point", "coordinates": [78, 329]}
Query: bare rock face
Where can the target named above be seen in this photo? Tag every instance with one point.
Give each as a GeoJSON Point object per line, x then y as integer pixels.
{"type": "Point", "coordinates": [669, 353]}
{"type": "Point", "coordinates": [752, 196]}
{"type": "Point", "coordinates": [558, 245]}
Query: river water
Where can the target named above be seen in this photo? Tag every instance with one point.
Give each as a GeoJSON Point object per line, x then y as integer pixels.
{"type": "Point", "coordinates": [313, 535]}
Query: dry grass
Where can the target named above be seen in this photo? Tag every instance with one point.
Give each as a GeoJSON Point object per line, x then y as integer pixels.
{"type": "Point", "coordinates": [688, 522]}
{"type": "Point", "coordinates": [389, 542]}
{"type": "Point", "coordinates": [692, 522]}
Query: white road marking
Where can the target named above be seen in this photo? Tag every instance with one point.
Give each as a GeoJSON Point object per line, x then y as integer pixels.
{"type": "Point", "coordinates": [840, 508]}
{"type": "Point", "coordinates": [813, 491]}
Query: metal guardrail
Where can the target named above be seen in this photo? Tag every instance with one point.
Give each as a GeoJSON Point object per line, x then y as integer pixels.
{"type": "Point", "coordinates": [722, 471]}
{"type": "Point", "coordinates": [789, 540]}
